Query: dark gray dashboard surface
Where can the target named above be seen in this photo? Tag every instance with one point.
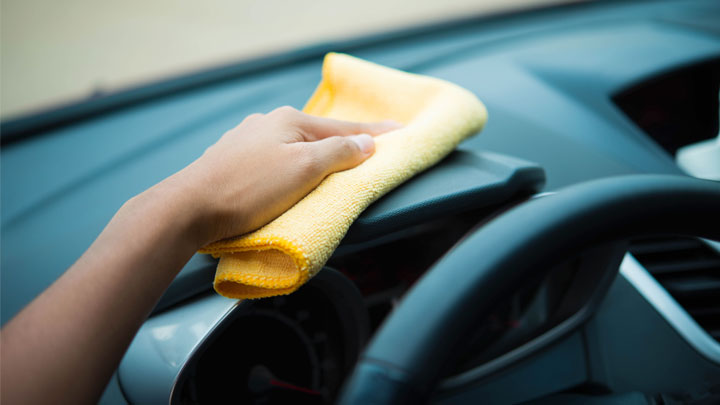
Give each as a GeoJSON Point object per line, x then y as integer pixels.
{"type": "Point", "coordinates": [464, 180]}
{"type": "Point", "coordinates": [546, 78]}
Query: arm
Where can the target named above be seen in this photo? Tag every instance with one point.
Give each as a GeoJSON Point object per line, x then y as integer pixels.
{"type": "Point", "coordinates": [65, 345]}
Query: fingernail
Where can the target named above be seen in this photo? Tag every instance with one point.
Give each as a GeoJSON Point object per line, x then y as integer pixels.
{"type": "Point", "coordinates": [365, 142]}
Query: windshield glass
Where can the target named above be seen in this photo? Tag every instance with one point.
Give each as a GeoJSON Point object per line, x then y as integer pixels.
{"type": "Point", "coordinates": [59, 52]}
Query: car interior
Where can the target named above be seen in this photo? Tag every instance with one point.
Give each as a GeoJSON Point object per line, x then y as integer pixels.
{"type": "Point", "coordinates": [561, 256]}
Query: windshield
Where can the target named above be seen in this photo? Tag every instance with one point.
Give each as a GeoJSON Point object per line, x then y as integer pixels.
{"type": "Point", "coordinates": [60, 52]}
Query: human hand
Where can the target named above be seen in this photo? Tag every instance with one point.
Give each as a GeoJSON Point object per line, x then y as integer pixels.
{"type": "Point", "coordinates": [259, 169]}
{"type": "Point", "coordinates": [255, 172]}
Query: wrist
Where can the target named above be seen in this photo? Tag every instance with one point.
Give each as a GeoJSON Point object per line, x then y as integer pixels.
{"type": "Point", "coordinates": [174, 208]}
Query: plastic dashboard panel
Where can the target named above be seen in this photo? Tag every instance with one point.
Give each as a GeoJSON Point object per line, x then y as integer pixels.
{"type": "Point", "coordinates": [464, 180]}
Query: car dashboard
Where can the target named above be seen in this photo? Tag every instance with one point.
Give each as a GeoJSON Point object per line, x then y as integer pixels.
{"type": "Point", "coordinates": [574, 93]}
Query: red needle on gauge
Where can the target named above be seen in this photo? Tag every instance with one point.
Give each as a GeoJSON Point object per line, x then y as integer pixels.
{"type": "Point", "coordinates": [283, 384]}
{"type": "Point", "coordinates": [261, 379]}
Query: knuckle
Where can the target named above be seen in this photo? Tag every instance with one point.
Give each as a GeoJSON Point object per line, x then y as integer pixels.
{"type": "Point", "coordinates": [249, 120]}
{"type": "Point", "coordinates": [284, 111]}
{"type": "Point", "coordinates": [252, 117]}
{"type": "Point", "coordinates": [344, 147]}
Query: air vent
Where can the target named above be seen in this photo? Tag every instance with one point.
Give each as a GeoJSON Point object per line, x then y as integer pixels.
{"type": "Point", "coordinates": [689, 270]}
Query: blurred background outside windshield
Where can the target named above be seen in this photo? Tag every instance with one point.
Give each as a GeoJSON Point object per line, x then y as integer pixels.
{"type": "Point", "coordinates": [59, 52]}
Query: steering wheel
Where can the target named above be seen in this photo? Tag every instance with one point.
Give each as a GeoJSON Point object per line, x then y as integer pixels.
{"type": "Point", "coordinates": [403, 362]}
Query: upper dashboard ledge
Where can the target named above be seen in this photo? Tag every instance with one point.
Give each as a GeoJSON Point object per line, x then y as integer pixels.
{"type": "Point", "coordinates": [463, 181]}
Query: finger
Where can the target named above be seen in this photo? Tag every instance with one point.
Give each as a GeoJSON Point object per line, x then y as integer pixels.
{"type": "Point", "coordinates": [315, 128]}
{"type": "Point", "coordinates": [339, 153]}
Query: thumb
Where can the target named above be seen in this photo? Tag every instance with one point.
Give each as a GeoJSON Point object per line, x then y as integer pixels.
{"type": "Point", "coordinates": [339, 153]}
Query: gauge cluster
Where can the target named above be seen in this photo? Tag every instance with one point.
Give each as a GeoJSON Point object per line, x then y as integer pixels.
{"type": "Point", "coordinates": [286, 349]}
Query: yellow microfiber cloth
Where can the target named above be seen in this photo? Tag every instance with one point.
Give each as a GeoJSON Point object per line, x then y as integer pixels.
{"type": "Point", "coordinates": [284, 254]}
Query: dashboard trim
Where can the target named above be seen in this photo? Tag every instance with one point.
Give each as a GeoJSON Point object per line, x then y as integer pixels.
{"type": "Point", "coordinates": [669, 309]}
{"type": "Point", "coordinates": [232, 309]}
{"type": "Point", "coordinates": [553, 335]}
{"type": "Point", "coordinates": [164, 344]}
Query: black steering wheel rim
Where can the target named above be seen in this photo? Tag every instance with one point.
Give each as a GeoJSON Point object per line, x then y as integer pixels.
{"type": "Point", "coordinates": [402, 364]}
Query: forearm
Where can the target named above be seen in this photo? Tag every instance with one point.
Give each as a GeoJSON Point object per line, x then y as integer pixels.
{"type": "Point", "coordinates": [65, 345]}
